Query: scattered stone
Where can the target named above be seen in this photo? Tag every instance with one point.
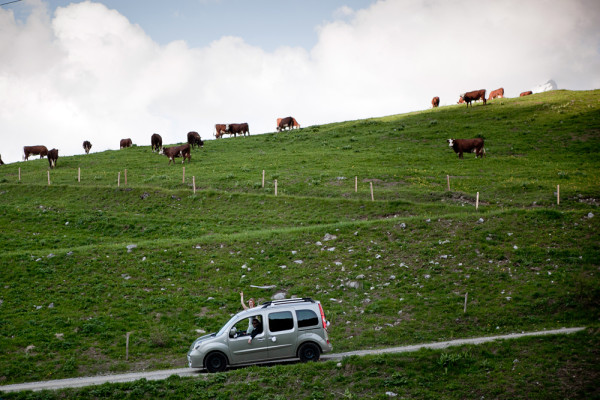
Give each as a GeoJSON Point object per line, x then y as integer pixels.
{"type": "Point", "coordinates": [331, 249]}
{"type": "Point", "coordinates": [353, 285]}
{"type": "Point", "coordinates": [51, 305]}
{"type": "Point", "coordinates": [283, 266]}
{"type": "Point", "coordinates": [278, 296]}
{"type": "Point", "coordinates": [328, 237]}
{"type": "Point", "coordinates": [67, 223]}
{"type": "Point", "coordinates": [50, 255]}
{"type": "Point", "coordinates": [59, 336]}
{"type": "Point", "coordinates": [590, 215]}
{"type": "Point", "coordinates": [299, 261]}
{"type": "Point", "coordinates": [515, 247]}
{"type": "Point", "coordinates": [361, 276]}
{"type": "Point", "coordinates": [29, 348]}
{"type": "Point", "coordinates": [403, 226]}
{"type": "Point", "coordinates": [200, 331]}
{"type": "Point", "coordinates": [70, 253]}
{"type": "Point", "coordinates": [131, 247]}
{"type": "Point", "coordinates": [143, 258]}
{"type": "Point", "coordinates": [480, 220]}
{"type": "Point", "coordinates": [294, 252]}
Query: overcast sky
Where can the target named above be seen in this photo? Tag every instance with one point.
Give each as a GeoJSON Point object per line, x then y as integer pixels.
{"type": "Point", "coordinates": [112, 69]}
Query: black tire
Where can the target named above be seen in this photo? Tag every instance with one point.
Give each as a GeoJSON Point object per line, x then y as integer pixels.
{"type": "Point", "coordinates": [215, 362]}
{"type": "Point", "coordinates": [309, 352]}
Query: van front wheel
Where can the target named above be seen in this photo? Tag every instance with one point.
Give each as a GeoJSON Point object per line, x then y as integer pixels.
{"type": "Point", "coordinates": [309, 352]}
{"type": "Point", "coordinates": [215, 362]}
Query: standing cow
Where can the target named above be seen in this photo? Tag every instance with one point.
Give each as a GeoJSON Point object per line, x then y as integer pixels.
{"type": "Point", "coordinates": [435, 102]}
{"type": "Point", "coordinates": [42, 151]}
{"type": "Point", "coordinates": [178, 151]}
{"type": "Point", "coordinates": [242, 129]}
{"type": "Point", "coordinates": [52, 157]}
{"type": "Point", "coordinates": [125, 143]}
{"type": "Point", "coordinates": [498, 93]}
{"type": "Point", "coordinates": [474, 96]}
{"type": "Point", "coordinates": [156, 142]}
{"type": "Point", "coordinates": [461, 146]}
{"type": "Point", "coordinates": [87, 146]}
{"type": "Point", "coordinates": [282, 123]}
{"type": "Point", "coordinates": [220, 130]}
{"type": "Point", "coordinates": [194, 139]}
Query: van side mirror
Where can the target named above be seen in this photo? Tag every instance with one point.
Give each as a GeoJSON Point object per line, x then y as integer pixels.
{"type": "Point", "coordinates": [232, 332]}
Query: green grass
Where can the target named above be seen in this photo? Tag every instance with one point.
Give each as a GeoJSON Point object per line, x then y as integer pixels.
{"type": "Point", "coordinates": [71, 290]}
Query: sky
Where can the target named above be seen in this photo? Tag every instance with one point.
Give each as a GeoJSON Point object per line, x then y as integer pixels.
{"type": "Point", "coordinates": [105, 70]}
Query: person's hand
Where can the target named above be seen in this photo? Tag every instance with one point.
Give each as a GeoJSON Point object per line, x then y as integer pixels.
{"type": "Point", "coordinates": [250, 341]}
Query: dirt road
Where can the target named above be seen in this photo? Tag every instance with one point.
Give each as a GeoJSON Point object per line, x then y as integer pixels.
{"type": "Point", "coordinates": [156, 375]}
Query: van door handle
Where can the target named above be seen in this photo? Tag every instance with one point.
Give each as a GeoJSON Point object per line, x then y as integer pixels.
{"type": "Point", "coordinates": [274, 339]}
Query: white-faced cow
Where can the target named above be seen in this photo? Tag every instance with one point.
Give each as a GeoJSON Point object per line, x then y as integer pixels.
{"type": "Point", "coordinates": [474, 96]}
{"type": "Point", "coordinates": [194, 139]}
{"type": "Point", "coordinates": [435, 102]}
{"type": "Point", "coordinates": [42, 151]}
{"type": "Point", "coordinates": [87, 146]}
{"type": "Point", "coordinates": [498, 93]}
{"type": "Point", "coordinates": [220, 130]}
{"type": "Point", "coordinates": [125, 143]}
{"type": "Point", "coordinates": [178, 151]}
{"type": "Point", "coordinates": [527, 93]}
{"type": "Point", "coordinates": [242, 129]}
{"type": "Point", "coordinates": [156, 142]}
{"type": "Point", "coordinates": [52, 157]}
{"type": "Point", "coordinates": [461, 146]}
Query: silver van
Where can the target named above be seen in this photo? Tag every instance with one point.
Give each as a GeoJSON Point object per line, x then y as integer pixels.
{"type": "Point", "coordinates": [292, 328]}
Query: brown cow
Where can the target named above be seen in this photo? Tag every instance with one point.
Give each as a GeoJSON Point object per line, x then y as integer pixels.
{"type": "Point", "coordinates": [474, 96]}
{"type": "Point", "coordinates": [1, 162]}
{"type": "Point", "coordinates": [156, 142]}
{"type": "Point", "coordinates": [282, 123]}
{"type": "Point", "coordinates": [498, 93]}
{"type": "Point", "coordinates": [42, 151]}
{"type": "Point", "coordinates": [178, 151]}
{"type": "Point", "coordinates": [527, 93]}
{"type": "Point", "coordinates": [125, 143]}
{"type": "Point", "coordinates": [461, 146]}
{"type": "Point", "coordinates": [52, 157]}
{"type": "Point", "coordinates": [242, 129]}
{"type": "Point", "coordinates": [194, 139]}
{"type": "Point", "coordinates": [435, 102]}
{"type": "Point", "coordinates": [460, 100]}
{"type": "Point", "coordinates": [220, 129]}
{"type": "Point", "coordinates": [87, 146]}
{"type": "Point", "coordinates": [296, 124]}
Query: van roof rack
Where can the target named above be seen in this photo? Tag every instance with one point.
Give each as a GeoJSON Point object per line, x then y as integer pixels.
{"type": "Point", "coordinates": [286, 301]}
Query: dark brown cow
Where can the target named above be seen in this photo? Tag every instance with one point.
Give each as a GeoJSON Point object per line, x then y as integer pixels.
{"type": "Point", "coordinates": [474, 96]}
{"type": "Point", "coordinates": [527, 93]}
{"type": "Point", "coordinates": [1, 162]}
{"type": "Point", "coordinates": [52, 157]}
{"type": "Point", "coordinates": [461, 146]}
{"type": "Point", "coordinates": [194, 139]}
{"type": "Point", "coordinates": [435, 102]}
{"type": "Point", "coordinates": [178, 151]}
{"type": "Point", "coordinates": [282, 123]}
{"type": "Point", "coordinates": [156, 142]}
{"type": "Point", "coordinates": [498, 93]}
{"type": "Point", "coordinates": [87, 146]}
{"type": "Point", "coordinates": [125, 143]}
{"type": "Point", "coordinates": [220, 130]}
{"type": "Point", "coordinates": [242, 129]}
{"type": "Point", "coordinates": [42, 151]}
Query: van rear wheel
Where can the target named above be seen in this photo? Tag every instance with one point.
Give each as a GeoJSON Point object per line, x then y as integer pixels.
{"type": "Point", "coordinates": [215, 362]}
{"type": "Point", "coordinates": [309, 352]}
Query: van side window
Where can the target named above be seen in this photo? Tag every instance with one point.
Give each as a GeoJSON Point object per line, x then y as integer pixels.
{"type": "Point", "coordinates": [281, 321]}
{"type": "Point", "coordinates": [306, 318]}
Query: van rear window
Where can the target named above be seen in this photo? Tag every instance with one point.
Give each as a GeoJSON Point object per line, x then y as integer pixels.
{"type": "Point", "coordinates": [306, 318]}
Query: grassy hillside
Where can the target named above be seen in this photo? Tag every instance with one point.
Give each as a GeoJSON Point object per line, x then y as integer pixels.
{"type": "Point", "coordinates": [72, 289]}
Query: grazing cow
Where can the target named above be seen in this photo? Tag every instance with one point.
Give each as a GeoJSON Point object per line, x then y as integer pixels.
{"type": "Point", "coordinates": [1, 162]}
{"type": "Point", "coordinates": [460, 100]}
{"type": "Point", "coordinates": [125, 143]}
{"type": "Point", "coordinates": [296, 124]}
{"type": "Point", "coordinates": [156, 142]}
{"type": "Point", "coordinates": [435, 102]}
{"type": "Point", "coordinates": [282, 123]}
{"type": "Point", "coordinates": [220, 129]}
{"type": "Point", "coordinates": [242, 129]}
{"type": "Point", "coordinates": [52, 157]}
{"type": "Point", "coordinates": [194, 139]}
{"type": "Point", "coordinates": [527, 93]}
{"type": "Point", "coordinates": [461, 146]}
{"type": "Point", "coordinates": [42, 151]}
{"type": "Point", "coordinates": [178, 151]}
{"type": "Point", "coordinates": [474, 96]}
{"type": "Point", "coordinates": [499, 93]}
{"type": "Point", "coordinates": [87, 146]}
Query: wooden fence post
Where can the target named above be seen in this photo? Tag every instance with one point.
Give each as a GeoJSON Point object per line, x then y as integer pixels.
{"type": "Point", "coordinates": [125, 177]}
{"type": "Point", "coordinates": [183, 177]}
{"type": "Point", "coordinates": [557, 195]}
{"type": "Point", "coordinates": [372, 198]}
{"type": "Point", "coordinates": [194, 183]}
{"type": "Point", "coordinates": [465, 309]}
{"type": "Point", "coordinates": [263, 180]}
{"type": "Point", "coordinates": [127, 346]}
{"type": "Point", "coordinates": [355, 184]}
{"type": "Point", "coordinates": [79, 174]}
{"type": "Point", "coordinates": [477, 201]}
{"type": "Point", "coordinates": [19, 174]}
{"type": "Point", "coordinates": [275, 187]}
{"type": "Point", "coordinates": [48, 177]}
{"type": "Point", "coordinates": [448, 180]}
{"type": "Point", "coordinates": [119, 179]}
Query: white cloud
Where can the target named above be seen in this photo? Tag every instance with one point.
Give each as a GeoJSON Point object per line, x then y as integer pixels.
{"type": "Point", "coordinates": [88, 73]}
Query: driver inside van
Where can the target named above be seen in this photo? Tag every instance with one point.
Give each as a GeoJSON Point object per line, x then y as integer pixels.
{"type": "Point", "coordinates": [257, 328]}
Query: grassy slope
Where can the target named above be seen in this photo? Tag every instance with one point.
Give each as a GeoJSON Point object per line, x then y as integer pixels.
{"type": "Point", "coordinates": [529, 264]}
